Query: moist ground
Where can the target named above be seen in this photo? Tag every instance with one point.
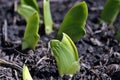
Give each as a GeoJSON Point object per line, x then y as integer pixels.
{"type": "Point", "coordinates": [99, 51]}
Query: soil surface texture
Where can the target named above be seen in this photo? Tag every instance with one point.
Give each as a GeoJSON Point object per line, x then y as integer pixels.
{"type": "Point", "coordinates": [99, 51]}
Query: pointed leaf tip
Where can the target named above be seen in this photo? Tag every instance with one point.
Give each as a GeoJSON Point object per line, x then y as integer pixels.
{"type": "Point", "coordinates": [26, 11]}
{"type": "Point", "coordinates": [74, 22]}
{"type": "Point", "coordinates": [31, 3]}
{"type": "Point", "coordinates": [26, 74]}
{"type": "Point", "coordinates": [107, 15]}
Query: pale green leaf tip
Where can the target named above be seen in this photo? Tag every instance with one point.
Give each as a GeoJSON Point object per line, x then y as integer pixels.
{"type": "Point", "coordinates": [31, 3]}
{"type": "Point", "coordinates": [26, 74]}
{"type": "Point", "coordinates": [26, 11]}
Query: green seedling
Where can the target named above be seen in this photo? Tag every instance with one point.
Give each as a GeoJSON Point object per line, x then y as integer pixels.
{"type": "Point", "coordinates": [66, 55]}
{"type": "Point", "coordinates": [26, 74]}
{"type": "Point", "coordinates": [74, 22]}
{"type": "Point", "coordinates": [31, 36]}
{"type": "Point", "coordinates": [117, 36]}
{"type": "Point", "coordinates": [31, 3]}
{"type": "Point", "coordinates": [110, 10]}
{"type": "Point", "coordinates": [47, 17]}
{"type": "Point", "coordinates": [31, 16]}
{"type": "Point", "coordinates": [26, 11]}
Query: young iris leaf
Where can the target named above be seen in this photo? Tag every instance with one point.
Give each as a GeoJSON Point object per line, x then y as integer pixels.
{"type": "Point", "coordinates": [117, 36]}
{"type": "Point", "coordinates": [66, 55]}
{"type": "Point", "coordinates": [31, 36]}
{"type": "Point", "coordinates": [74, 22]}
{"type": "Point", "coordinates": [26, 74]}
{"type": "Point", "coordinates": [110, 11]}
{"type": "Point", "coordinates": [26, 11]}
{"type": "Point", "coordinates": [32, 3]}
{"type": "Point", "coordinates": [29, 12]}
{"type": "Point", "coordinates": [47, 17]}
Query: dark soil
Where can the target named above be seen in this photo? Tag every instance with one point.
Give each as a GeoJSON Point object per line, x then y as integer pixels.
{"type": "Point", "coordinates": [99, 51]}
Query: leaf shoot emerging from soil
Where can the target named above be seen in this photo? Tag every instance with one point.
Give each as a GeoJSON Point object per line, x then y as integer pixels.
{"type": "Point", "coordinates": [66, 55]}
{"type": "Point", "coordinates": [110, 11]}
{"type": "Point", "coordinates": [32, 3]}
{"type": "Point", "coordinates": [26, 74]}
{"type": "Point", "coordinates": [47, 17]}
{"type": "Point", "coordinates": [117, 36]}
{"type": "Point", "coordinates": [26, 11]}
{"type": "Point", "coordinates": [74, 22]}
{"type": "Point", "coordinates": [31, 36]}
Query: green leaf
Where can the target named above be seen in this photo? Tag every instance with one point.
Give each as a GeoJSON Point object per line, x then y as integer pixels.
{"type": "Point", "coordinates": [74, 22]}
{"type": "Point", "coordinates": [26, 74]}
{"type": "Point", "coordinates": [32, 3]}
{"type": "Point", "coordinates": [66, 55]}
{"type": "Point", "coordinates": [47, 17]}
{"type": "Point", "coordinates": [110, 11]}
{"type": "Point", "coordinates": [26, 11]}
{"type": "Point", "coordinates": [31, 36]}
